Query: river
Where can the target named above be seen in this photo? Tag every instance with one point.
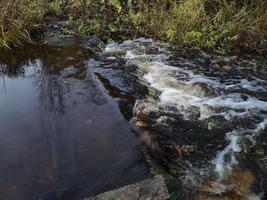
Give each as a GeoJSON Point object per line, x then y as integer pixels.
{"type": "Point", "coordinates": [71, 124]}
{"type": "Point", "coordinates": [207, 126]}
{"type": "Point", "coordinates": [61, 135]}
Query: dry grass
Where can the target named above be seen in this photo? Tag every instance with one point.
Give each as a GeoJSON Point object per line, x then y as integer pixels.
{"type": "Point", "coordinates": [17, 20]}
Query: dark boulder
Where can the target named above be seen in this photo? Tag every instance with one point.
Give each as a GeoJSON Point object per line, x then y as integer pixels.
{"type": "Point", "coordinates": [93, 45]}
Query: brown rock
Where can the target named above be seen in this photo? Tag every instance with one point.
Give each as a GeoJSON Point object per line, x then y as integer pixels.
{"type": "Point", "coordinates": [220, 64]}
{"type": "Point", "coordinates": [227, 67]}
{"type": "Point", "coordinates": [236, 186]}
{"type": "Point", "coordinates": [131, 67]}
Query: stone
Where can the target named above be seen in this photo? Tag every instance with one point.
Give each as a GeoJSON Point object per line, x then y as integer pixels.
{"type": "Point", "coordinates": [93, 45]}
{"type": "Point", "coordinates": [214, 188]}
{"type": "Point", "coordinates": [220, 64]}
{"type": "Point", "coordinates": [227, 67]}
{"type": "Point", "coordinates": [131, 67]}
{"type": "Point", "coordinates": [149, 189]}
{"type": "Point", "coordinates": [236, 186]}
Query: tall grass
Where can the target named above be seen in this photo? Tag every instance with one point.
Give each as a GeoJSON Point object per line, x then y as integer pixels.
{"type": "Point", "coordinates": [207, 23]}
{"type": "Point", "coordinates": [18, 18]}
{"type": "Point", "coordinates": [198, 23]}
{"type": "Point", "coordinates": [186, 23]}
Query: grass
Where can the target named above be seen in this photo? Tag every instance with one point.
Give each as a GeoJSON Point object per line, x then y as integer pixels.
{"type": "Point", "coordinates": [20, 21]}
{"type": "Point", "coordinates": [17, 19]}
{"type": "Point", "coordinates": [208, 24]}
{"type": "Point", "coordinates": [221, 24]}
{"type": "Point", "coordinates": [187, 23]}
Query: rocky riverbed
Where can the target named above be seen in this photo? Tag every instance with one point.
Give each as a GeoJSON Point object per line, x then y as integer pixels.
{"type": "Point", "coordinates": [201, 118]}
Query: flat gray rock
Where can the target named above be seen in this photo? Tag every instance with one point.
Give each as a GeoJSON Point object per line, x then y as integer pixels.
{"type": "Point", "coordinates": [149, 189]}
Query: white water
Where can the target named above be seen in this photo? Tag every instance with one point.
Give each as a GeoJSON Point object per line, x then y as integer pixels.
{"type": "Point", "coordinates": [234, 147]}
{"type": "Point", "coordinates": [184, 88]}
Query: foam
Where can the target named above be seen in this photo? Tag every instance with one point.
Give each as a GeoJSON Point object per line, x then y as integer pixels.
{"type": "Point", "coordinates": [221, 165]}
{"type": "Point", "coordinates": [184, 88]}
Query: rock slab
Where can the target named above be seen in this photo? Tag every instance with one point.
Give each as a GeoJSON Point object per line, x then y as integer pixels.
{"type": "Point", "coordinates": [149, 189]}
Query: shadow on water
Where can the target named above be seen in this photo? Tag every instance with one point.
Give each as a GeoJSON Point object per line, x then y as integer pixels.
{"type": "Point", "coordinates": [61, 135]}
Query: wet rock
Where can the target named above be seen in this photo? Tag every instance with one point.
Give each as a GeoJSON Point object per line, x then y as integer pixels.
{"type": "Point", "coordinates": [193, 106]}
{"type": "Point", "coordinates": [227, 67]}
{"type": "Point", "coordinates": [179, 150]}
{"type": "Point", "coordinates": [93, 45]}
{"type": "Point", "coordinates": [220, 64]}
{"type": "Point", "coordinates": [214, 188]}
{"type": "Point", "coordinates": [114, 54]}
{"type": "Point", "coordinates": [235, 57]}
{"type": "Point", "coordinates": [131, 67]}
{"type": "Point", "coordinates": [142, 109]}
{"type": "Point", "coordinates": [192, 112]}
{"type": "Point", "coordinates": [120, 61]}
{"type": "Point", "coordinates": [140, 113]}
{"type": "Point", "coordinates": [236, 186]}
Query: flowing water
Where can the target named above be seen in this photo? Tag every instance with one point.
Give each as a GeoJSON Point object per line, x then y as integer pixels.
{"type": "Point", "coordinates": [61, 135]}
{"type": "Point", "coordinates": [201, 117]}
{"type": "Point", "coordinates": [209, 120]}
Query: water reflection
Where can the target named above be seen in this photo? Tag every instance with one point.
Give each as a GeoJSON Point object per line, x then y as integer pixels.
{"type": "Point", "coordinates": [51, 93]}
{"type": "Point", "coordinates": [60, 133]}
{"type": "Point", "coordinates": [3, 82]}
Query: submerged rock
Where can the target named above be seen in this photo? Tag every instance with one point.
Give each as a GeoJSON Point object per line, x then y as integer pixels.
{"type": "Point", "coordinates": [236, 186]}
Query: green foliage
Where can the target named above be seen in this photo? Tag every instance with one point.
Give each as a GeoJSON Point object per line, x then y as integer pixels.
{"type": "Point", "coordinates": [207, 23]}
{"type": "Point", "coordinates": [170, 34]}
{"type": "Point", "coordinates": [136, 18]}
{"type": "Point", "coordinates": [88, 27]}
{"type": "Point", "coordinates": [117, 5]}
{"type": "Point", "coordinates": [110, 41]}
{"type": "Point", "coordinates": [264, 44]}
{"type": "Point", "coordinates": [54, 7]}
{"type": "Point", "coordinates": [193, 38]}
{"type": "Point", "coordinates": [191, 23]}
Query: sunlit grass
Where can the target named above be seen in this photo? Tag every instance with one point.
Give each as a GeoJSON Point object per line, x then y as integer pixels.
{"type": "Point", "coordinates": [207, 24]}
{"type": "Point", "coordinates": [186, 23]}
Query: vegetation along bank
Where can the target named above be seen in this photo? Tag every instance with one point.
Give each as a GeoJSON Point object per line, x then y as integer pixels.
{"type": "Point", "coordinates": [221, 24]}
